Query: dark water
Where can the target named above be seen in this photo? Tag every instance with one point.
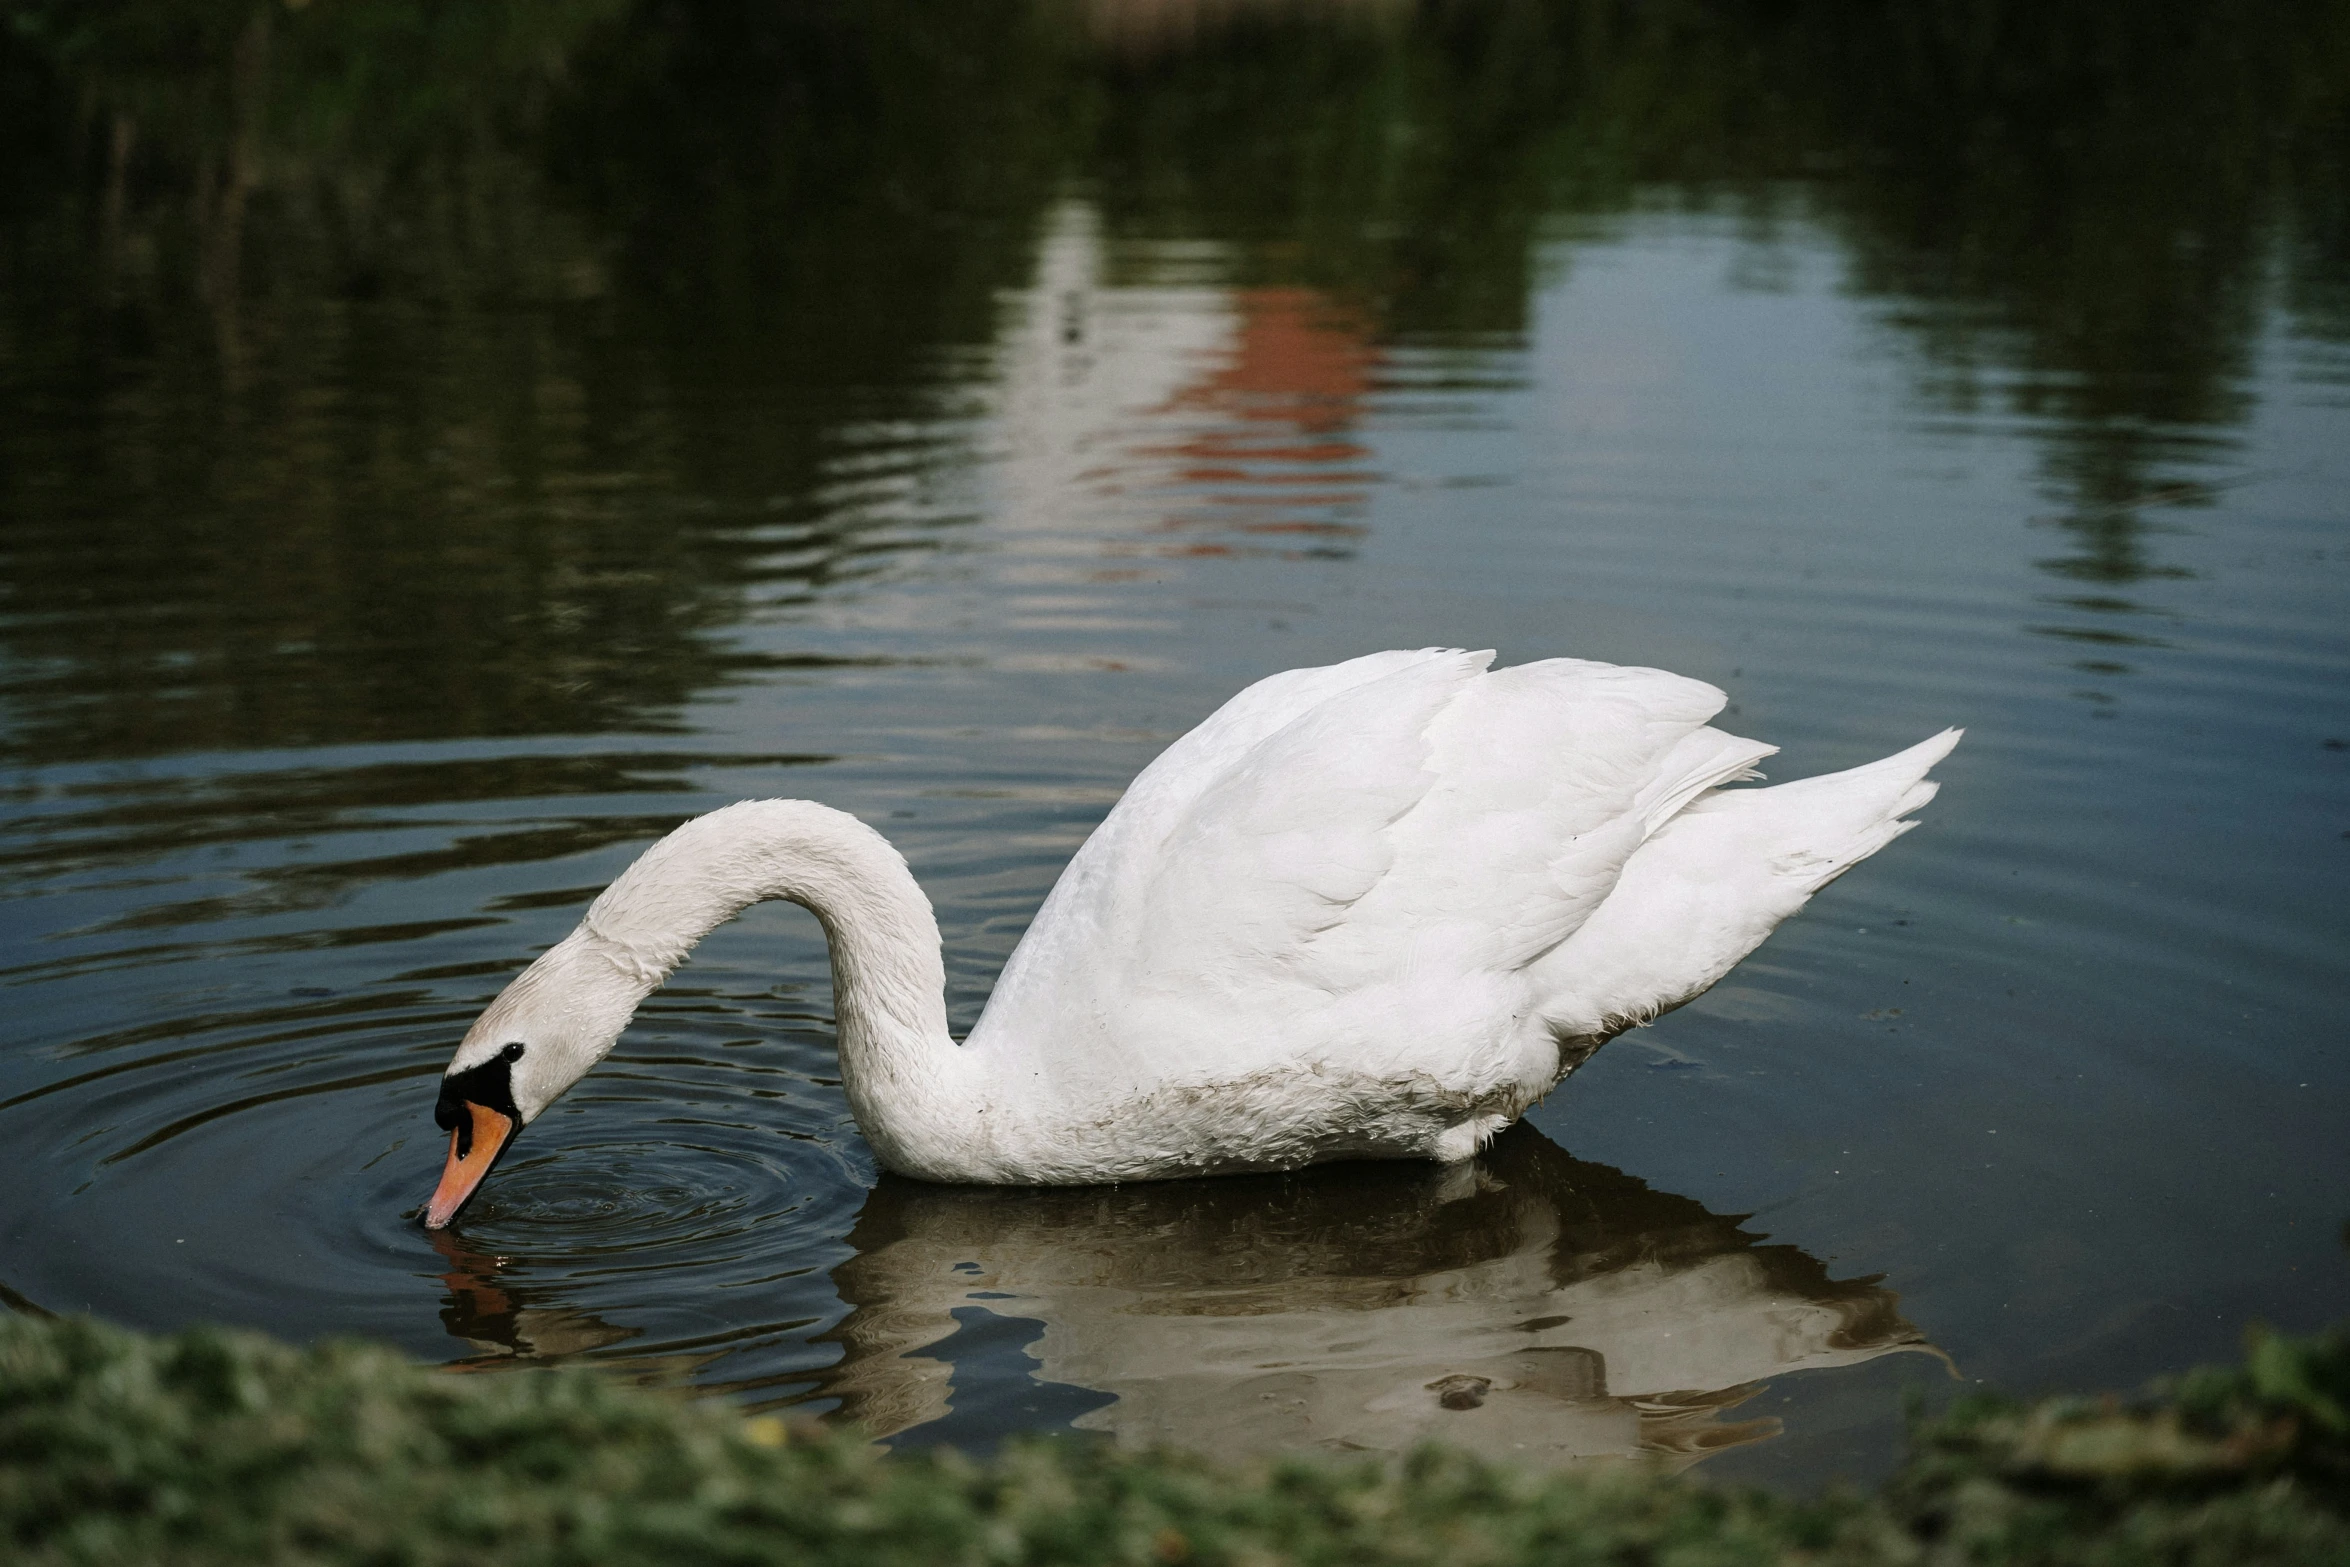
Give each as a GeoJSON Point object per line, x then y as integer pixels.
{"type": "Point", "coordinates": [443, 447]}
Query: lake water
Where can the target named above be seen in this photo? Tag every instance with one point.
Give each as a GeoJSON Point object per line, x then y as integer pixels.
{"type": "Point", "coordinates": [441, 452]}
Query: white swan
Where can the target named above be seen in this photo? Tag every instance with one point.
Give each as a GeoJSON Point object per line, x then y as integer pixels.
{"type": "Point", "coordinates": [1370, 910]}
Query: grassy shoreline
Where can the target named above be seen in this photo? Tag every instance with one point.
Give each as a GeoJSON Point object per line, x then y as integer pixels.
{"type": "Point", "coordinates": [210, 1446]}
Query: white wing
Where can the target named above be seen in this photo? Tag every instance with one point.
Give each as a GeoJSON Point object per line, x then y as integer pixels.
{"type": "Point", "coordinates": [1359, 867]}
{"type": "Point", "coordinates": [1061, 993]}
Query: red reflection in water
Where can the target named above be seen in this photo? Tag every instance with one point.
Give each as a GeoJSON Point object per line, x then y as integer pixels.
{"type": "Point", "coordinates": [1278, 413]}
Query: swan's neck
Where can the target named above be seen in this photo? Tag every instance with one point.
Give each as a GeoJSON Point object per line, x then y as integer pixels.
{"type": "Point", "coordinates": [907, 1080]}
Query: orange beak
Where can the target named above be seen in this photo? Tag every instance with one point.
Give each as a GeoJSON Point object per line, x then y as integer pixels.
{"type": "Point", "coordinates": [473, 1148]}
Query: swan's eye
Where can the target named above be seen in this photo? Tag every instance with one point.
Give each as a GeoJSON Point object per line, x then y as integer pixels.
{"type": "Point", "coordinates": [512, 1052]}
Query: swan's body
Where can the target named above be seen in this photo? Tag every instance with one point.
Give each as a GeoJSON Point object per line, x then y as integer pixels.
{"type": "Point", "coordinates": [1375, 909]}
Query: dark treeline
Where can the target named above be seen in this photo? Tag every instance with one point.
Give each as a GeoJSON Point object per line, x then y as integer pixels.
{"type": "Point", "coordinates": [385, 369]}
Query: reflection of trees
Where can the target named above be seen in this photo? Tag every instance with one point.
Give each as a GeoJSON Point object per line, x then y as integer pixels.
{"type": "Point", "coordinates": [1532, 1306]}
{"type": "Point", "coordinates": [282, 464]}
{"type": "Point", "coordinates": [384, 368]}
{"type": "Point", "coordinates": [810, 194]}
{"type": "Point", "coordinates": [1400, 163]}
{"type": "Point", "coordinates": [2069, 207]}
{"type": "Point", "coordinates": [2083, 205]}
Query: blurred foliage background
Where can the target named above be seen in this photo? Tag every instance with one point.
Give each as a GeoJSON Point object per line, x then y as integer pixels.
{"type": "Point", "coordinates": [574, 258]}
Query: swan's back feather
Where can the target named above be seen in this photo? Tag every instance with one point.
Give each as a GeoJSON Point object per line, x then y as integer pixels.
{"type": "Point", "coordinates": [1357, 866]}
{"type": "Point", "coordinates": [1548, 775]}
{"type": "Point", "coordinates": [1297, 830]}
{"type": "Point", "coordinates": [1069, 965]}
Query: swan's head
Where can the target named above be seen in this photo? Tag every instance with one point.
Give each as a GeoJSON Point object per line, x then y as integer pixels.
{"type": "Point", "coordinates": [558, 1018]}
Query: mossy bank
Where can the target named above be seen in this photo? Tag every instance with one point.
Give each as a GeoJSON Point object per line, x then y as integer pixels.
{"type": "Point", "coordinates": [218, 1447]}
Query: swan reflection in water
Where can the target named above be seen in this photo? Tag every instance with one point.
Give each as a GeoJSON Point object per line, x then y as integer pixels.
{"type": "Point", "coordinates": [1530, 1306]}
{"type": "Point", "coordinates": [497, 1319]}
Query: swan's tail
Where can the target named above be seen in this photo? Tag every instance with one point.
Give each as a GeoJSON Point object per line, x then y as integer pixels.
{"type": "Point", "coordinates": [1816, 829]}
{"type": "Point", "coordinates": [1715, 879]}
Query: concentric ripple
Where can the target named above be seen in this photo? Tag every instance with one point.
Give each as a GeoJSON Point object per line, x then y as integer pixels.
{"type": "Point", "coordinates": [705, 1189]}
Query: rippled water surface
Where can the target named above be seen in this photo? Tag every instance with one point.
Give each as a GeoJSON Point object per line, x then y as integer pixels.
{"type": "Point", "coordinates": [440, 451]}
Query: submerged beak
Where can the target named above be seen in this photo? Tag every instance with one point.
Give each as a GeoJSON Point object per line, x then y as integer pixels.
{"type": "Point", "coordinates": [474, 1143]}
